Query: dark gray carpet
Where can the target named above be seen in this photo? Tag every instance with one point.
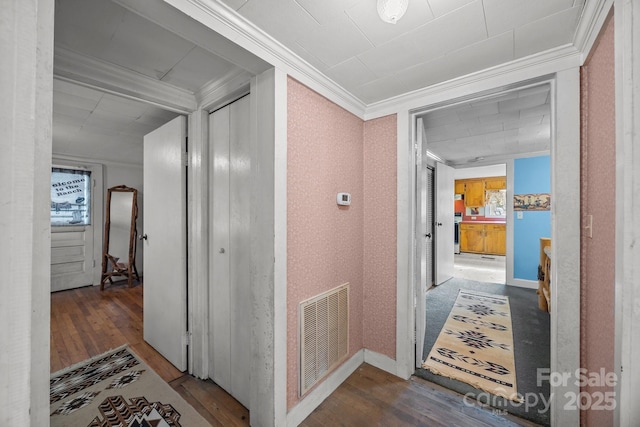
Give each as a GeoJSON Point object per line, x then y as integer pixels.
{"type": "Point", "coordinates": [530, 337]}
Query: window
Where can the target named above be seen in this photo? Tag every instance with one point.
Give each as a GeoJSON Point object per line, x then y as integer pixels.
{"type": "Point", "coordinates": [496, 203]}
{"type": "Point", "coordinates": [70, 197]}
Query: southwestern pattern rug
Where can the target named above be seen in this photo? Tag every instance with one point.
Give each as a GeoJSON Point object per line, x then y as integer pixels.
{"type": "Point", "coordinates": [117, 389]}
{"type": "Point", "coordinates": [475, 344]}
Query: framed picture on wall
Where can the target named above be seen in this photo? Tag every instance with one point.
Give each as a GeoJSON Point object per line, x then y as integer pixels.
{"type": "Point", "coordinates": [532, 202]}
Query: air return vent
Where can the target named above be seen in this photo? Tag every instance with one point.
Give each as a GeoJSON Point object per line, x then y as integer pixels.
{"type": "Point", "coordinates": [324, 334]}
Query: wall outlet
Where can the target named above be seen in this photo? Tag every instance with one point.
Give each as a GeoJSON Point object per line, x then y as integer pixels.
{"type": "Point", "coordinates": [519, 215]}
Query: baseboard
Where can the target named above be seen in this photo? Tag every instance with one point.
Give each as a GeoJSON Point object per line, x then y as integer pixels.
{"type": "Point", "coordinates": [522, 283]}
{"type": "Point", "coordinates": [306, 406]}
{"type": "Point", "coordinates": [381, 361]}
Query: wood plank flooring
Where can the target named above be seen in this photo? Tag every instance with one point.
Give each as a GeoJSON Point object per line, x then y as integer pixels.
{"type": "Point", "coordinates": [86, 322]}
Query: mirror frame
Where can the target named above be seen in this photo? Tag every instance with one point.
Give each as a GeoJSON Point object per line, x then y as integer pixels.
{"type": "Point", "coordinates": [129, 269]}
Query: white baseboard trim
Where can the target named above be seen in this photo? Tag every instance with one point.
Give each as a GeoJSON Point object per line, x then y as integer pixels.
{"type": "Point", "coordinates": [306, 406]}
{"type": "Point", "coordinates": [381, 361]}
{"type": "Point", "coordinates": [522, 283]}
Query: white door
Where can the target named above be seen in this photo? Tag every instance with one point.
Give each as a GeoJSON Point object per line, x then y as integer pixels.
{"type": "Point", "coordinates": [444, 223]}
{"type": "Point", "coordinates": [164, 249]}
{"type": "Point", "coordinates": [424, 241]}
{"type": "Point", "coordinates": [71, 257]}
{"type": "Point", "coordinates": [230, 291]}
{"type": "Point", "coordinates": [76, 212]}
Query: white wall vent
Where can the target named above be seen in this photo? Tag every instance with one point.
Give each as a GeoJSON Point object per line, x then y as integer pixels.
{"type": "Point", "coordinates": [324, 334]}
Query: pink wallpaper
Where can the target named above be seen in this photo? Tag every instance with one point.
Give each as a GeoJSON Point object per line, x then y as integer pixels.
{"type": "Point", "coordinates": [324, 241]}
{"type": "Point", "coordinates": [598, 199]}
{"type": "Point", "coordinates": [380, 246]}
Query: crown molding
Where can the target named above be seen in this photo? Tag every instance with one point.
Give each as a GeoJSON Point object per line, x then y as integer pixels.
{"type": "Point", "coordinates": [228, 23]}
{"type": "Point", "coordinates": [217, 93]}
{"type": "Point", "coordinates": [91, 72]}
{"type": "Point", "coordinates": [522, 69]}
{"type": "Point", "coordinates": [594, 15]}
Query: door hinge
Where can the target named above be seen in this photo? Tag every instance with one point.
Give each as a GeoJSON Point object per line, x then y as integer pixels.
{"type": "Point", "coordinates": [186, 338]}
{"type": "Point", "coordinates": [185, 159]}
{"type": "Point", "coordinates": [94, 263]}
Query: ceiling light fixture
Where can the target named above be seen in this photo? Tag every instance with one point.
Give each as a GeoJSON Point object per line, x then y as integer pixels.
{"type": "Point", "coordinates": [392, 10]}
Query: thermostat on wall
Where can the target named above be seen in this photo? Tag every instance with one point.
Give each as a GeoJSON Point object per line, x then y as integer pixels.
{"type": "Point", "coordinates": [343, 199]}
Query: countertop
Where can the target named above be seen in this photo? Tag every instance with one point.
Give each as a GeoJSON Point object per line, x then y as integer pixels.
{"type": "Point", "coordinates": [483, 222]}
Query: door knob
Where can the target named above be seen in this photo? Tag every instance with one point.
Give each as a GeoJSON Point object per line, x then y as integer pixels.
{"type": "Point", "coordinates": [221, 250]}
{"type": "Point", "coordinates": [428, 235]}
{"type": "Point", "coordinates": [439, 224]}
{"type": "Point", "coordinates": [142, 237]}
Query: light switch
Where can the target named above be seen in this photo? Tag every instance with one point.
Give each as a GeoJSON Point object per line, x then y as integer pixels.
{"type": "Point", "coordinates": [519, 215]}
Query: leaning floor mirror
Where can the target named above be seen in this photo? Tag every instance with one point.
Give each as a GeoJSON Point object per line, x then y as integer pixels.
{"type": "Point", "coordinates": [119, 249]}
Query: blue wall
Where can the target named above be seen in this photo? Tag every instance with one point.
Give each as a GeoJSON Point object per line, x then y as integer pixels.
{"type": "Point", "coordinates": [530, 175]}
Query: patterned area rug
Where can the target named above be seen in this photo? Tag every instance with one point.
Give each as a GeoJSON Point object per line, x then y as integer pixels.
{"type": "Point", "coordinates": [475, 345]}
{"type": "Point", "coordinates": [117, 389]}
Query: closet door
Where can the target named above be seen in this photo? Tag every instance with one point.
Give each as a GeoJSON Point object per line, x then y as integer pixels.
{"type": "Point", "coordinates": [229, 281]}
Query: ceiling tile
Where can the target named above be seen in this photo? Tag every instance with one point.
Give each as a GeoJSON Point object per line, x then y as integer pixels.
{"type": "Point", "coordinates": [523, 102]}
{"type": "Point", "coordinates": [145, 47]}
{"type": "Point", "coordinates": [478, 111]}
{"type": "Point", "coordinates": [86, 26]}
{"type": "Point", "coordinates": [335, 42]}
{"type": "Point", "coordinates": [122, 106]}
{"type": "Point", "coordinates": [442, 7]}
{"type": "Point", "coordinates": [326, 10]}
{"type": "Point", "coordinates": [504, 15]}
{"type": "Point", "coordinates": [535, 112]}
{"type": "Point", "coordinates": [484, 54]}
{"type": "Point", "coordinates": [517, 124]}
{"type": "Point", "coordinates": [428, 42]}
{"type": "Point", "coordinates": [445, 133]}
{"type": "Point", "coordinates": [350, 73]}
{"type": "Point", "coordinates": [62, 98]}
{"type": "Point", "coordinates": [283, 20]}
{"type": "Point", "coordinates": [190, 73]}
{"type": "Point", "coordinates": [365, 16]}
{"type": "Point", "coordinates": [546, 33]}
{"type": "Point", "coordinates": [70, 114]}
{"type": "Point", "coordinates": [106, 120]}
{"type": "Point", "coordinates": [395, 55]}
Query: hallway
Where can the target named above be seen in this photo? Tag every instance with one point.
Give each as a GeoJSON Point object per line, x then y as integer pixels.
{"type": "Point", "coordinates": [86, 322]}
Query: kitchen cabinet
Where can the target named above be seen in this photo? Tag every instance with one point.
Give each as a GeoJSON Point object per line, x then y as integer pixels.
{"type": "Point", "coordinates": [483, 238]}
{"type": "Point", "coordinates": [472, 238]}
{"type": "Point", "coordinates": [474, 192]}
{"type": "Point", "coordinates": [495, 239]}
{"type": "Point", "coordinates": [495, 183]}
{"type": "Point", "coordinates": [474, 189]}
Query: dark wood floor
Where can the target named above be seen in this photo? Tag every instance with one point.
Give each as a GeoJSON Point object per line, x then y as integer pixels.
{"type": "Point", "coordinates": [86, 322]}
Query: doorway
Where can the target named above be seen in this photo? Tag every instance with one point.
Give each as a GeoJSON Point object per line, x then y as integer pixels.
{"type": "Point", "coordinates": [484, 101]}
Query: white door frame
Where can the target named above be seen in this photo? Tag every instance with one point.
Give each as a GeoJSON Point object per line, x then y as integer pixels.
{"type": "Point", "coordinates": [565, 171]}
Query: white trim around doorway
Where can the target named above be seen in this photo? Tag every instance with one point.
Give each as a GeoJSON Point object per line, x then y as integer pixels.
{"type": "Point", "coordinates": [565, 165]}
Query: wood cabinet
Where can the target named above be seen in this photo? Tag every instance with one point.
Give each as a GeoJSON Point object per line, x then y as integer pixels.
{"type": "Point", "coordinates": [472, 238]}
{"type": "Point", "coordinates": [483, 238]}
{"type": "Point", "coordinates": [495, 183]}
{"type": "Point", "coordinates": [495, 239]}
{"type": "Point", "coordinates": [474, 192]}
{"type": "Point", "coordinates": [474, 189]}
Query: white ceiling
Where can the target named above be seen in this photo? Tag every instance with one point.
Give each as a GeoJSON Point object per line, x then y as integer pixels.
{"type": "Point", "coordinates": [345, 40]}
{"type": "Point", "coordinates": [93, 124]}
{"type": "Point", "coordinates": [491, 129]}
{"type": "Point", "coordinates": [435, 41]}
